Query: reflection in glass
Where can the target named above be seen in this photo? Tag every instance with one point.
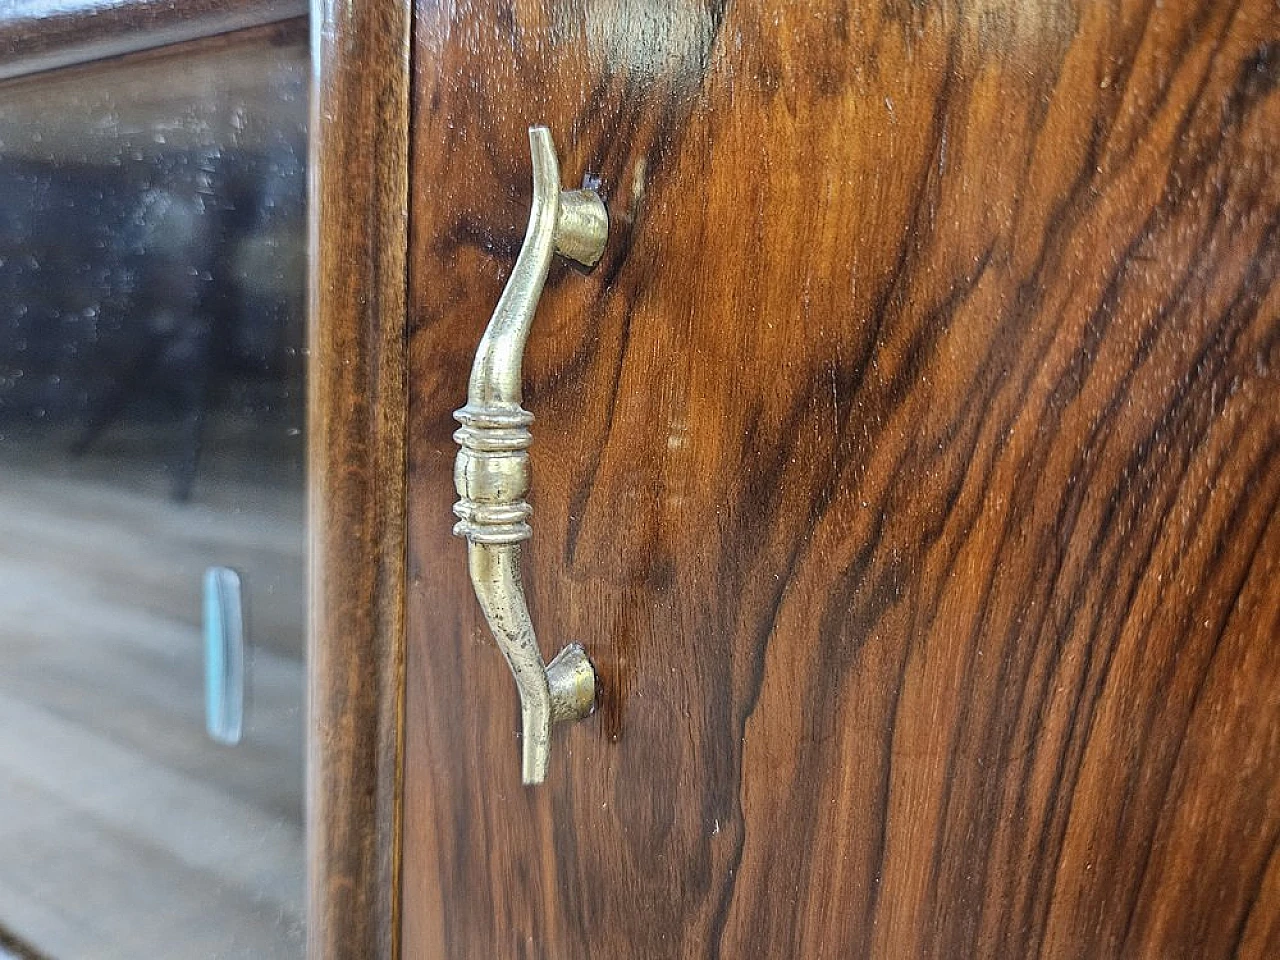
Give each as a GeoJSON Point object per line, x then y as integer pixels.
{"type": "Point", "coordinates": [152, 277]}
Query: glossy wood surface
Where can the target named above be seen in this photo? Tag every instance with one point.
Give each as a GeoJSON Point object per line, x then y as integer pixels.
{"type": "Point", "coordinates": [909, 468]}
{"type": "Point", "coordinates": [356, 430]}
{"type": "Point", "coordinates": [38, 35]}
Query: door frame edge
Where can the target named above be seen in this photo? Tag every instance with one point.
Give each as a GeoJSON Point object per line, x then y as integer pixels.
{"type": "Point", "coordinates": [357, 426]}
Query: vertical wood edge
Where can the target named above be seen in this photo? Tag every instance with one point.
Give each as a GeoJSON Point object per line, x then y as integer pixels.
{"type": "Point", "coordinates": [357, 479]}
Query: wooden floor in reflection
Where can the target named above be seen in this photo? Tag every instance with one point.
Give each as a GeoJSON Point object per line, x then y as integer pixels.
{"type": "Point", "coordinates": [125, 832]}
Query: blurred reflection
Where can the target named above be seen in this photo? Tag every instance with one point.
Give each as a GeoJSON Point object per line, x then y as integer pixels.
{"type": "Point", "coordinates": [152, 278]}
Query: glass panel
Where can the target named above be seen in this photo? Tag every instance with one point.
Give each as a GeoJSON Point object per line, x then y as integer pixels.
{"type": "Point", "coordinates": [152, 279]}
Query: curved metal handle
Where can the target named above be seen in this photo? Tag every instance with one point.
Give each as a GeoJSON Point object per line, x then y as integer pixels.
{"type": "Point", "coordinates": [491, 473]}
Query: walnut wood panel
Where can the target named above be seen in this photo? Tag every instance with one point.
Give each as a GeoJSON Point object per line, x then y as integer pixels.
{"type": "Point", "coordinates": [356, 430]}
{"type": "Point", "coordinates": [40, 35]}
{"type": "Point", "coordinates": [909, 467]}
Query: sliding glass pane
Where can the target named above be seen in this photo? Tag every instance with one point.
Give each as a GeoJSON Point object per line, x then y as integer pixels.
{"type": "Point", "coordinates": [152, 278]}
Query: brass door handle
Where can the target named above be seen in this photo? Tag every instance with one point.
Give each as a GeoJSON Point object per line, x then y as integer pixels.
{"type": "Point", "coordinates": [491, 473]}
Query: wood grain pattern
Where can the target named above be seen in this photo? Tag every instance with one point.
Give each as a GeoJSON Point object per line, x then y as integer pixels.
{"type": "Point", "coordinates": [356, 436]}
{"type": "Point", "coordinates": [37, 35]}
{"type": "Point", "coordinates": [909, 468]}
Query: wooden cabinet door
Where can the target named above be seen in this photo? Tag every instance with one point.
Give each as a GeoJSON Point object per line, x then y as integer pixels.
{"type": "Point", "coordinates": [909, 468]}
